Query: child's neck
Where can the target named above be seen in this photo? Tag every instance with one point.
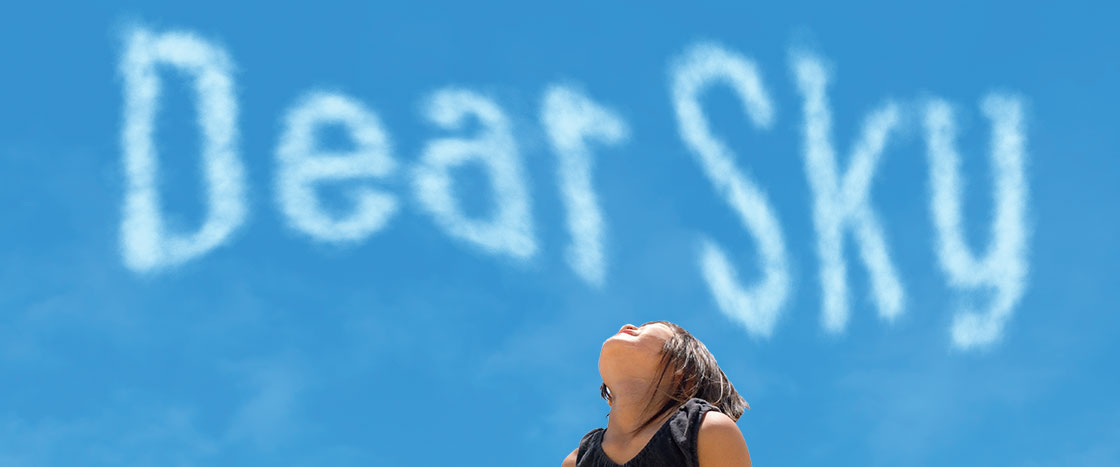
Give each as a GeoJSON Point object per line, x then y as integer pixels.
{"type": "Point", "coordinates": [629, 409]}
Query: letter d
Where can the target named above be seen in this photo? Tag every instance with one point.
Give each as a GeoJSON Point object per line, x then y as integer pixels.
{"type": "Point", "coordinates": [146, 245]}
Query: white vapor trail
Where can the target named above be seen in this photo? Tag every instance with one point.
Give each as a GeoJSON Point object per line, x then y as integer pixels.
{"type": "Point", "coordinates": [841, 200]}
{"type": "Point", "coordinates": [570, 119]}
{"type": "Point", "coordinates": [1004, 266]}
{"type": "Point", "coordinates": [701, 66]}
{"type": "Point", "coordinates": [146, 245]}
{"type": "Point", "coordinates": [301, 166]}
{"type": "Point", "coordinates": [511, 230]}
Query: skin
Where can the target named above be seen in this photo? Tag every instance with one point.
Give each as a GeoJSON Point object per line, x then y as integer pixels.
{"type": "Point", "coordinates": [628, 363]}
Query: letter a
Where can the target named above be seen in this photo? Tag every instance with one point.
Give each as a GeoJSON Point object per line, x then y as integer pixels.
{"type": "Point", "coordinates": [510, 230]}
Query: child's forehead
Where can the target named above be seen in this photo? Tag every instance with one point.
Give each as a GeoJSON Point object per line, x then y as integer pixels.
{"type": "Point", "coordinates": [660, 324]}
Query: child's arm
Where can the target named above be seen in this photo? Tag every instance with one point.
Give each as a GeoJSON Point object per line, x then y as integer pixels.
{"type": "Point", "coordinates": [720, 443]}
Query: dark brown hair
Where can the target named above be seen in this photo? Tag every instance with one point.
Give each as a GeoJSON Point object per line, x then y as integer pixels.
{"type": "Point", "coordinates": [694, 374]}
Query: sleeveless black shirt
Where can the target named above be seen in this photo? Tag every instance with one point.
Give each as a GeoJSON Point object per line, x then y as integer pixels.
{"type": "Point", "coordinates": [673, 445]}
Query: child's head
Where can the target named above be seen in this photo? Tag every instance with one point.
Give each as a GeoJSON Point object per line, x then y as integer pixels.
{"type": "Point", "coordinates": [678, 366]}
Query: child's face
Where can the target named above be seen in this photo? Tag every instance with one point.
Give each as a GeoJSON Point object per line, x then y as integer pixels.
{"type": "Point", "coordinates": [634, 352]}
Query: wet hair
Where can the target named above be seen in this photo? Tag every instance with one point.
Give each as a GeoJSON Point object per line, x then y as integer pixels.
{"type": "Point", "coordinates": [694, 374]}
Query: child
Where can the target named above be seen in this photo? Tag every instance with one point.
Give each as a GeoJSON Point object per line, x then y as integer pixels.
{"type": "Point", "coordinates": [671, 405]}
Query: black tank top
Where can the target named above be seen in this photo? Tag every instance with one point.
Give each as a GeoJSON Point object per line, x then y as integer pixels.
{"type": "Point", "coordinates": [673, 445]}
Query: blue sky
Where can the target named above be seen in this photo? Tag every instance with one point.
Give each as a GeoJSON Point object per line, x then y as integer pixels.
{"type": "Point", "coordinates": [452, 326]}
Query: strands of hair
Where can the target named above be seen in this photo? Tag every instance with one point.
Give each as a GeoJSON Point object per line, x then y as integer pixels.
{"type": "Point", "coordinates": [695, 373]}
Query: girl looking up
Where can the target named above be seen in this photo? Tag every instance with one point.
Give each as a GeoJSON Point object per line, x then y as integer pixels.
{"type": "Point", "coordinates": [670, 404]}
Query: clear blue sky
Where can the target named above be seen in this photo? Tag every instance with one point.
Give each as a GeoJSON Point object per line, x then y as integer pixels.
{"type": "Point", "coordinates": [414, 346]}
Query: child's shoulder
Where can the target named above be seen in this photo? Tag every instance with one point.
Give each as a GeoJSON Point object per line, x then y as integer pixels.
{"type": "Point", "coordinates": [590, 437]}
{"type": "Point", "coordinates": [587, 443]}
{"type": "Point", "coordinates": [592, 432]}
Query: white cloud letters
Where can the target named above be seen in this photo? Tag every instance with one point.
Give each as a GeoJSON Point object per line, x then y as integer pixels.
{"type": "Point", "coordinates": [574, 125]}
{"type": "Point", "coordinates": [145, 242]}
